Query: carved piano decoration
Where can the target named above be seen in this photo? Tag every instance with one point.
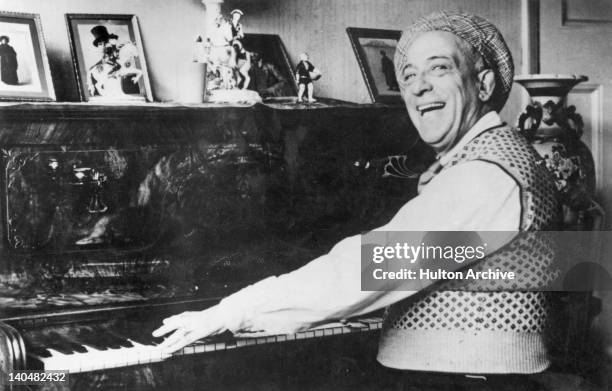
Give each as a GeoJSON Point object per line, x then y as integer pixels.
{"type": "Point", "coordinates": [114, 217]}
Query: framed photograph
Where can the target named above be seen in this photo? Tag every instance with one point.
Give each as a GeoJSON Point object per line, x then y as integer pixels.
{"type": "Point", "coordinates": [271, 72]}
{"type": "Point", "coordinates": [24, 68]}
{"type": "Point", "coordinates": [108, 58]}
{"type": "Point", "coordinates": [375, 50]}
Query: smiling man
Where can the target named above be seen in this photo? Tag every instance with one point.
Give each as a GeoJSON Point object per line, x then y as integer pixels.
{"type": "Point", "coordinates": [455, 73]}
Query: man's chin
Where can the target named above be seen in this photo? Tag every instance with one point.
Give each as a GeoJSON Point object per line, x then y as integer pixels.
{"type": "Point", "coordinates": [434, 142]}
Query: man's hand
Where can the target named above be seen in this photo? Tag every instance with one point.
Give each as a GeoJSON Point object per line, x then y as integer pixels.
{"type": "Point", "coordinates": [188, 327]}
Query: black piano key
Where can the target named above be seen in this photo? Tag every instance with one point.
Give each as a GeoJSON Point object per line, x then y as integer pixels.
{"type": "Point", "coordinates": [61, 347]}
{"type": "Point", "coordinates": [86, 336]}
{"type": "Point", "coordinates": [122, 340]}
{"type": "Point", "coordinates": [54, 340]}
{"type": "Point", "coordinates": [39, 351]}
{"type": "Point", "coordinates": [68, 342]}
{"type": "Point", "coordinates": [134, 333]}
{"type": "Point", "coordinates": [140, 332]}
{"type": "Point", "coordinates": [107, 339]}
{"type": "Point", "coordinates": [35, 364]}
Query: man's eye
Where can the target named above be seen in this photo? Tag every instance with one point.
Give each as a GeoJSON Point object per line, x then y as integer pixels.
{"type": "Point", "coordinates": [409, 76]}
{"type": "Point", "coordinates": [440, 68]}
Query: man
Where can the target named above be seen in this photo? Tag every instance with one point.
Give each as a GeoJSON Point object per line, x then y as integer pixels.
{"type": "Point", "coordinates": [265, 78]}
{"type": "Point", "coordinates": [109, 77]}
{"type": "Point", "coordinates": [455, 73]}
{"type": "Point", "coordinates": [389, 71]}
{"type": "Point", "coordinates": [8, 62]}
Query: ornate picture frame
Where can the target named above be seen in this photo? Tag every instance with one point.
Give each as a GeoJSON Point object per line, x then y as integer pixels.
{"type": "Point", "coordinates": [24, 68]}
{"type": "Point", "coordinates": [374, 49]}
{"type": "Point", "coordinates": [108, 58]}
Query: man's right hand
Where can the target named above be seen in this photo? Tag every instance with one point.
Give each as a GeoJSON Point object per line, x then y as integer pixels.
{"type": "Point", "coordinates": [189, 327]}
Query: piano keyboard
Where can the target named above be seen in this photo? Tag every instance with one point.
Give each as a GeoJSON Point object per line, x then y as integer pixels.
{"type": "Point", "coordinates": [114, 349]}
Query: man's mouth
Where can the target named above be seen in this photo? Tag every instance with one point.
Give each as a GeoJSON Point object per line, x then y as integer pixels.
{"type": "Point", "coordinates": [429, 107]}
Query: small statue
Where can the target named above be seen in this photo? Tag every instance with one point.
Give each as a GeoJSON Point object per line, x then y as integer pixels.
{"type": "Point", "coordinates": [305, 74]}
{"type": "Point", "coordinates": [228, 61]}
{"type": "Point", "coordinates": [241, 57]}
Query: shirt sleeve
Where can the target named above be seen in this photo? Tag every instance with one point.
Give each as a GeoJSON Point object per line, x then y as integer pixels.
{"type": "Point", "coordinates": [476, 196]}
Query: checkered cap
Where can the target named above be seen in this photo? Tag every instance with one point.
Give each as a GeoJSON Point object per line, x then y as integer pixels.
{"type": "Point", "coordinates": [483, 36]}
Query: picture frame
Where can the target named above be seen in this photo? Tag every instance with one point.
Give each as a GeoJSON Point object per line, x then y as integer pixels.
{"type": "Point", "coordinates": [274, 52]}
{"type": "Point", "coordinates": [378, 73]}
{"type": "Point", "coordinates": [24, 67]}
{"type": "Point", "coordinates": [108, 58]}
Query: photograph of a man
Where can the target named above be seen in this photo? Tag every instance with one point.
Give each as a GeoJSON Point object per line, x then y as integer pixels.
{"type": "Point", "coordinates": [8, 62]}
{"type": "Point", "coordinates": [265, 77]}
{"type": "Point", "coordinates": [110, 77]}
{"type": "Point", "coordinates": [389, 71]}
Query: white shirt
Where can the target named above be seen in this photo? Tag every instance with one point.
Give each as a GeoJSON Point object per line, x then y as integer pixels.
{"type": "Point", "coordinates": [475, 196]}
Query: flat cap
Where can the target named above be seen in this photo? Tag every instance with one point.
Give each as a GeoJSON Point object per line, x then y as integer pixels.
{"type": "Point", "coordinates": [479, 33]}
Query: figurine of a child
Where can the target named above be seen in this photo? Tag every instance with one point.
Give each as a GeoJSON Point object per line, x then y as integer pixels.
{"type": "Point", "coordinates": [305, 74]}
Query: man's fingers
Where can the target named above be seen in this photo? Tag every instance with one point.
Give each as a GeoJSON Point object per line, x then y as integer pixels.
{"type": "Point", "coordinates": [163, 330]}
{"type": "Point", "coordinates": [171, 343]}
{"type": "Point", "coordinates": [171, 323]}
{"type": "Point", "coordinates": [178, 340]}
{"type": "Point", "coordinates": [186, 328]}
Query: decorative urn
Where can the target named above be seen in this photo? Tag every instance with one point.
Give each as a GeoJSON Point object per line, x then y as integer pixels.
{"type": "Point", "coordinates": [554, 129]}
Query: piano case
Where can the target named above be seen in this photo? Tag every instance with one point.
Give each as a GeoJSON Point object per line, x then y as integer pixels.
{"type": "Point", "coordinates": [116, 217]}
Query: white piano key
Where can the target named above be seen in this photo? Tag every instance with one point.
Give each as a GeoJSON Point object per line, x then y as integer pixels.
{"type": "Point", "coordinates": [209, 347]}
{"type": "Point", "coordinates": [241, 342]}
{"type": "Point", "coordinates": [94, 359]}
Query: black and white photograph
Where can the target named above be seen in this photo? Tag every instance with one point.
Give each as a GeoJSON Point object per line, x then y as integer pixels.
{"type": "Point", "coordinates": [108, 57]}
{"type": "Point", "coordinates": [24, 70]}
{"type": "Point", "coordinates": [306, 195]}
{"type": "Point", "coordinates": [375, 50]}
{"type": "Point", "coordinates": [271, 73]}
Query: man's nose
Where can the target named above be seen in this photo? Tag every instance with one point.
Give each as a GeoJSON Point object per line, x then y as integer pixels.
{"type": "Point", "coordinates": [420, 85]}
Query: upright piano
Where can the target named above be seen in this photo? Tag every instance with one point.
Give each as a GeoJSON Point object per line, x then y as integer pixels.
{"type": "Point", "coordinates": [115, 217]}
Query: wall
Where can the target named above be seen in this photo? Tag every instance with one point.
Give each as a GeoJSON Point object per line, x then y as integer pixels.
{"type": "Point", "coordinates": [316, 26]}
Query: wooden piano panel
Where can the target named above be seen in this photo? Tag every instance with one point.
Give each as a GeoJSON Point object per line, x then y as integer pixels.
{"type": "Point", "coordinates": [241, 192]}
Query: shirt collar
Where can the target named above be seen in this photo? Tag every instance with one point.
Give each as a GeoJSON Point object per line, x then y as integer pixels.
{"type": "Point", "coordinates": [487, 121]}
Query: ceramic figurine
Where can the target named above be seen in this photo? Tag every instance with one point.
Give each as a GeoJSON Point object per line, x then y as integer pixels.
{"type": "Point", "coordinates": [305, 74]}
{"type": "Point", "coordinates": [228, 61]}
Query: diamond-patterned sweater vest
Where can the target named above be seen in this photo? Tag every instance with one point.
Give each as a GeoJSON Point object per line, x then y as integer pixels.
{"type": "Point", "coordinates": [467, 329]}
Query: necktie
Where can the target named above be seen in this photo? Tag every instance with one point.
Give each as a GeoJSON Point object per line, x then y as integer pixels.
{"type": "Point", "coordinates": [428, 175]}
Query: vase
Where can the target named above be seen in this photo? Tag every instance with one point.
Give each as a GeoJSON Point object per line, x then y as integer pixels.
{"type": "Point", "coordinates": [554, 129]}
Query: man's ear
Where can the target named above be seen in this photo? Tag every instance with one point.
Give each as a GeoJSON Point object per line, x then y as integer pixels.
{"type": "Point", "coordinates": [486, 84]}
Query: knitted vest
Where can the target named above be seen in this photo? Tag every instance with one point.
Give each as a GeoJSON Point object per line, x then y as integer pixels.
{"type": "Point", "coordinates": [498, 330]}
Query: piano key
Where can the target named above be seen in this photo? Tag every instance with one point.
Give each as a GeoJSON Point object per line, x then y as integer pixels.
{"type": "Point", "coordinates": [123, 341]}
{"type": "Point", "coordinates": [113, 349]}
{"type": "Point", "coordinates": [94, 359]}
{"type": "Point", "coordinates": [61, 347]}
{"type": "Point", "coordinates": [37, 350]}
{"type": "Point", "coordinates": [86, 336]}
{"type": "Point", "coordinates": [67, 342]}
